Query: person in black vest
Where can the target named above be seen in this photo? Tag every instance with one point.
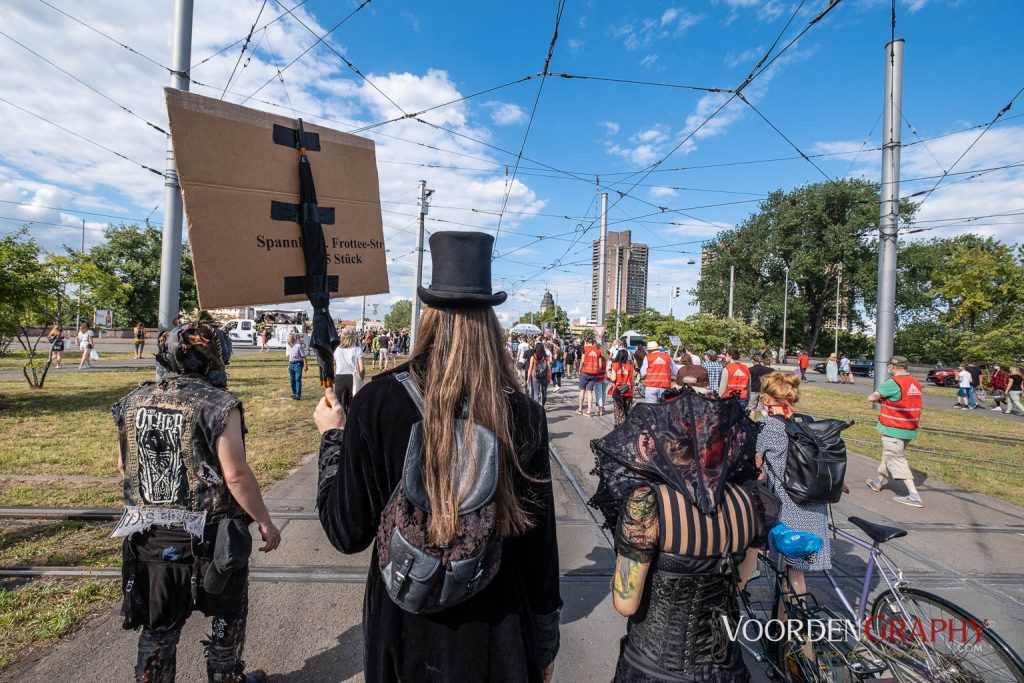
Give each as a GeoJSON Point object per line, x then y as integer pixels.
{"type": "Point", "coordinates": [189, 499]}
{"type": "Point", "coordinates": [508, 630]}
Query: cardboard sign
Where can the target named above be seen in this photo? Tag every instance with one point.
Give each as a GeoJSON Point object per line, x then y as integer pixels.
{"type": "Point", "coordinates": [675, 340]}
{"type": "Point", "coordinates": [238, 183]}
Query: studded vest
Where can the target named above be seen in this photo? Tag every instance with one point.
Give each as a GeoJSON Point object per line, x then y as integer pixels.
{"type": "Point", "coordinates": [168, 431]}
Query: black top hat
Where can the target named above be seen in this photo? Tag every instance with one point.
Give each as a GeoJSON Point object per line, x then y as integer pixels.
{"type": "Point", "coordinates": [462, 271]}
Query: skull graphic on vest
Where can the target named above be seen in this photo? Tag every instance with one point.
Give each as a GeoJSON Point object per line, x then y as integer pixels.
{"type": "Point", "coordinates": [159, 433]}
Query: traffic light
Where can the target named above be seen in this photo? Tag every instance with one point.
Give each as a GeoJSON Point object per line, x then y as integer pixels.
{"type": "Point", "coordinates": [675, 293]}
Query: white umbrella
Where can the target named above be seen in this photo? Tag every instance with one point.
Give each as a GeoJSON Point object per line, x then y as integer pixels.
{"type": "Point", "coordinates": [525, 328]}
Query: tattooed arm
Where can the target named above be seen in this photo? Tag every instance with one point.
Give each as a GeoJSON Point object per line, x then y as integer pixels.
{"type": "Point", "coordinates": [636, 542]}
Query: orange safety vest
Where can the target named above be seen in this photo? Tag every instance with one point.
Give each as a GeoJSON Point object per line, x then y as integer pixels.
{"type": "Point", "coordinates": [906, 412]}
{"type": "Point", "coordinates": [659, 370]}
{"type": "Point", "coordinates": [739, 379]}
{"type": "Point", "coordinates": [623, 377]}
{"type": "Point", "coordinates": [591, 361]}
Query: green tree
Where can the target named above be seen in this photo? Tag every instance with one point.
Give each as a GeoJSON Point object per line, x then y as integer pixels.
{"type": "Point", "coordinates": [35, 295]}
{"type": "Point", "coordinates": [400, 315]}
{"type": "Point", "coordinates": [132, 254]}
{"type": "Point", "coordinates": [819, 232]}
{"type": "Point", "coordinates": [555, 317]}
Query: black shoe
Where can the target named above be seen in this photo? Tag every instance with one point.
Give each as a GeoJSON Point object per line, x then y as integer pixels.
{"type": "Point", "coordinates": [256, 677]}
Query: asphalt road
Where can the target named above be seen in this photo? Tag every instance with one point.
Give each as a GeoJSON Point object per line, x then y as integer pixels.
{"type": "Point", "coordinates": [963, 546]}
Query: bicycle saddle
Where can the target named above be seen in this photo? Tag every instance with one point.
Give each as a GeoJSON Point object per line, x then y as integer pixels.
{"type": "Point", "coordinates": [879, 533]}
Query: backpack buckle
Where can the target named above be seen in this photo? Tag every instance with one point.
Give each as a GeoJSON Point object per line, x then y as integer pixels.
{"type": "Point", "coordinates": [402, 570]}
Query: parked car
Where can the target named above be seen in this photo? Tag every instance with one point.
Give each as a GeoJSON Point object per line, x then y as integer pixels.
{"type": "Point", "coordinates": [943, 377]}
{"type": "Point", "coordinates": [858, 366]}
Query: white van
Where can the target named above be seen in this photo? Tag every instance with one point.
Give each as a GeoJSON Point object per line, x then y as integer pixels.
{"type": "Point", "coordinates": [242, 331]}
{"type": "Point", "coordinates": [632, 339]}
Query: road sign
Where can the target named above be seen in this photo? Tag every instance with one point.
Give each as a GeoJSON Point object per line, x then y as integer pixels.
{"type": "Point", "coordinates": [599, 330]}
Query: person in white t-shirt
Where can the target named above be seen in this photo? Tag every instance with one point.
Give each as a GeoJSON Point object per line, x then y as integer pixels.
{"type": "Point", "coordinates": [86, 342]}
{"type": "Point", "coordinates": [349, 370]}
{"type": "Point", "coordinates": [963, 392]}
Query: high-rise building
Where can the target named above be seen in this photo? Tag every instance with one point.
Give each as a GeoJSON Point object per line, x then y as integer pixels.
{"type": "Point", "coordinates": [626, 277]}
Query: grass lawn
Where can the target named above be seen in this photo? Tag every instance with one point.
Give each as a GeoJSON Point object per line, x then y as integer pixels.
{"type": "Point", "coordinates": [965, 450]}
{"type": "Point", "coordinates": [66, 429]}
{"type": "Point", "coordinates": [15, 358]}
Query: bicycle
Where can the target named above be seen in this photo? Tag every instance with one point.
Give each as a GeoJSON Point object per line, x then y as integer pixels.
{"type": "Point", "coordinates": [895, 640]}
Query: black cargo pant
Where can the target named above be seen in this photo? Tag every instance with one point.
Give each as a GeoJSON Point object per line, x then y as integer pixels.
{"type": "Point", "coordinates": [162, 584]}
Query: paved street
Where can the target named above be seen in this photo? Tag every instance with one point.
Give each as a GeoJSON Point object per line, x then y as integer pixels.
{"type": "Point", "coordinates": [963, 546]}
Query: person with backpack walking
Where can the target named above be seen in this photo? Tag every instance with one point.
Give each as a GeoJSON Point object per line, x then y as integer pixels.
{"type": "Point", "coordinates": [139, 336]}
{"type": "Point", "coordinates": [400, 452]}
{"type": "Point", "coordinates": [780, 392]}
{"type": "Point", "coordinates": [557, 366]}
{"type": "Point", "coordinates": [622, 377]}
{"type": "Point", "coordinates": [540, 374]}
{"type": "Point", "coordinates": [900, 398]}
{"type": "Point", "coordinates": [590, 366]}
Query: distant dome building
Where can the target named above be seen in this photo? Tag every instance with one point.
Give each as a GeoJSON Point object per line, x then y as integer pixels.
{"type": "Point", "coordinates": [547, 303]}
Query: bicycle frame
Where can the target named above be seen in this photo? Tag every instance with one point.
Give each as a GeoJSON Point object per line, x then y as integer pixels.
{"type": "Point", "coordinates": [891, 574]}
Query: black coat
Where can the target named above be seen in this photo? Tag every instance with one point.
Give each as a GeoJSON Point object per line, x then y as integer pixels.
{"type": "Point", "coordinates": [498, 635]}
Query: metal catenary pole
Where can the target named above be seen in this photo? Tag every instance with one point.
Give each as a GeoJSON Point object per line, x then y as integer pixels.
{"type": "Point", "coordinates": [888, 223]}
{"type": "Point", "coordinates": [839, 284]}
{"type": "Point", "coordinates": [419, 265]}
{"type": "Point", "coordinates": [362, 316]}
{"type": "Point", "coordinates": [732, 283]}
{"type": "Point", "coordinates": [170, 259]}
{"type": "Point", "coordinates": [78, 315]}
{"type": "Point", "coordinates": [602, 260]}
{"type": "Point", "coordinates": [618, 288]}
{"type": "Point", "coordinates": [785, 312]}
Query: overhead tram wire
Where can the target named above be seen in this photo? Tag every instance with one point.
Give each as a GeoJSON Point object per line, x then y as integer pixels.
{"type": "Point", "coordinates": [913, 130]}
{"type": "Point", "coordinates": [280, 76]}
{"type": "Point", "coordinates": [261, 28]}
{"type": "Point", "coordinates": [245, 46]}
{"type": "Point", "coordinates": [529, 124]}
{"type": "Point", "coordinates": [80, 81]}
{"type": "Point", "coordinates": [987, 127]}
{"type": "Point", "coordinates": [349, 64]}
{"type": "Point", "coordinates": [763, 64]}
{"type": "Point", "coordinates": [319, 39]}
{"type": "Point", "coordinates": [628, 81]}
{"type": "Point", "coordinates": [76, 211]}
{"type": "Point", "coordinates": [82, 137]}
{"type": "Point", "coordinates": [784, 136]}
{"type": "Point", "coordinates": [864, 144]}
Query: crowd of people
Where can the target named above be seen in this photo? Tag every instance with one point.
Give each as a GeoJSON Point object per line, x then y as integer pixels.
{"type": "Point", "coordinates": [443, 466]}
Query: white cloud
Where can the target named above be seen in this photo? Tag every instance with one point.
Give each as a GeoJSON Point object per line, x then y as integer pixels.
{"type": "Point", "coordinates": [945, 210]}
{"type": "Point", "coordinates": [733, 59]}
{"type": "Point", "coordinates": [575, 45]}
{"type": "Point", "coordinates": [641, 33]}
{"type": "Point", "coordinates": [645, 146]}
{"type": "Point", "coordinates": [648, 61]}
{"type": "Point", "coordinates": [611, 127]}
{"type": "Point", "coordinates": [58, 170]}
{"type": "Point", "coordinates": [505, 114]}
{"type": "Point", "coordinates": [662, 192]}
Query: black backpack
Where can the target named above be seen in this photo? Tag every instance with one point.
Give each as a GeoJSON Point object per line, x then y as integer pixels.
{"type": "Point", "coordinates": [540, 369]}
{"type": "Point", "coordinates": [421, 577]}
{"type": "Point", "coordinates": [816, 463]}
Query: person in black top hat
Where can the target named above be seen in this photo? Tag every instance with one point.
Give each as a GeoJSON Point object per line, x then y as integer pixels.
{"type": "Point", "coordinates": [508, 631]}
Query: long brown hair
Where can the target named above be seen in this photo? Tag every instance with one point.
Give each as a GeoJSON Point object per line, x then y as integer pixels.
{"type": "Point", "coordinates": [460, 357]}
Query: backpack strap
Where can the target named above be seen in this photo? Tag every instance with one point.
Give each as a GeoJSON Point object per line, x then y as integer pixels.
{"type": "Point", "coordinates": [412, 389]}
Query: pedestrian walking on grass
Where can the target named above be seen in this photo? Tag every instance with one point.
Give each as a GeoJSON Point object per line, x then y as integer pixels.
{"type": "Point", "coordinates": [298, 362]}
{"type": "Point", "coordinates": [899, 418]}
{"type": "Point", "coordinates": [189, 498]}
{"type": "Point", "coordinates": [87, 343]}
{"type": "Point", "coordinates": [139, 337]}
{"type": "Point", "coordinates": [506, 629]}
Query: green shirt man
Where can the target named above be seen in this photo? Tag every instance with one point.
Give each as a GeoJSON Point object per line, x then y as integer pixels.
{"type": "Point", "coordinates": [890, 390]}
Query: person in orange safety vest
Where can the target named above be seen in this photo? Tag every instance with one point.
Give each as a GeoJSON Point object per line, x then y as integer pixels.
{"type": "Point", "coordinates": [900, 398]}
{"type": "Point", "coordinates": [735, 379]}
{"type": "Point", "coordinates": [658, 369]}
{"type": "Point", "coordinates": [591, 369]}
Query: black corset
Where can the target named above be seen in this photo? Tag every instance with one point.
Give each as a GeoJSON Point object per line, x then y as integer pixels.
{"type": "Point", "coordinates": [679, 627]}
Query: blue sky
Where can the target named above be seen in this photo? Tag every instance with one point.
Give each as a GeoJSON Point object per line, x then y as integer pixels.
{"type": "Point", "coordinates": [963, 64]}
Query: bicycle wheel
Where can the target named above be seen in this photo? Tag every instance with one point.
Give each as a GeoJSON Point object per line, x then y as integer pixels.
{"type": "Point", "coordinates": [939, 657]}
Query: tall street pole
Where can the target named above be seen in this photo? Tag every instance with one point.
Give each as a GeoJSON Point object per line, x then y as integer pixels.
{"type": "Point", "coordinates": [888, 219]}
{"type": "Point", "coordinates": [170, 255]}
{"type": "Point", "coordinates": [785, 312]}
{"type": "Point", "coordinates": [618, 288]}
{"type": "Point", "coordinates": [839, 283]}
{"type": "Point", "coordinates": [362, 316]}
{"type": "Point", "coordinates": [419, 267]}
{"type": "Point", "coordinates": [732, 284]}
{"type": "Point", "coordinates": [78, 316]}
{"type": "Point", "coordinates": [602, 268]}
